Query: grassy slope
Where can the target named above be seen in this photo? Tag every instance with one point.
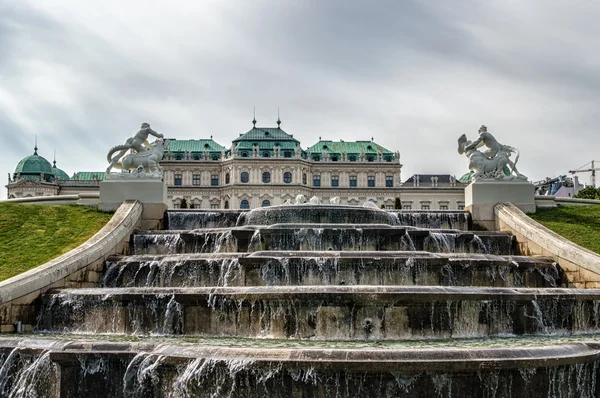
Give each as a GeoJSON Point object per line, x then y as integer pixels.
{"type": "Point", "coordinates": [31, 235]}
{"type": "Point", "coordinates": [579, 224]}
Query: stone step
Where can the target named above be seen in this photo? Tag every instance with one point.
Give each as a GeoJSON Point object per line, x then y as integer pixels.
{"type": "Point", "coordinates": [99, 369]}
{"type": "Point", "coordinates": [268, 268]}
{"type": "Point", "coordinates": [189, 219]}
{"type": "Point", "coordinates": [323, 312]}
{"type": "Point", "coordinates": [313, 237]}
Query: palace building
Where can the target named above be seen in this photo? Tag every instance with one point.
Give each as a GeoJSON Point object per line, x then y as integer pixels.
{"type": "Point", "coordinates": [265, 166]}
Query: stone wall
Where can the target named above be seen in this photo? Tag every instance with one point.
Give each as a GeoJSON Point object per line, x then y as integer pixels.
{"type": "Point", "coordinates": [581, 266]}
{"type": "Point", "coordinates": [80, 267]}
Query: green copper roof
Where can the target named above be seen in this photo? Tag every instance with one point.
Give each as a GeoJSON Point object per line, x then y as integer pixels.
{"type": "Point", "coordinates": [368, 147]}
{"type": "Point", "coordinates": [194, 146]}
{"type": "Point", "coordinates": [89, 176]}
{"type": "Point", "coordinates": [58, 173]}
{"type": "Point", "coordinates": [33, 165]}
{"type": "Point", "coordinates": [266, 134]}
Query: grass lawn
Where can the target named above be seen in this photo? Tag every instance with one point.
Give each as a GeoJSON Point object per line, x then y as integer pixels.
{"type": "Point", "coordinates": [579, 224]}
{"type": "Point", "coordinates": [31, 235]}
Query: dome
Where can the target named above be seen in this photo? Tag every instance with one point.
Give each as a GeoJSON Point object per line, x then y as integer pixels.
{"type": "Point", "coordinates": [34, 165]}
{"type": "Point", "coordinates": [58, 173]}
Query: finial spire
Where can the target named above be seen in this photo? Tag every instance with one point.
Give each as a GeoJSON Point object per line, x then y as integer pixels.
{"type": "Point", "coordinates": [278, 119]}
{"type": "Point", "coordinates": [35, 148]}
{"type": "Point", "coordinates": [254, 118]}
{"type": "Point", "coordinates": [54, 163]}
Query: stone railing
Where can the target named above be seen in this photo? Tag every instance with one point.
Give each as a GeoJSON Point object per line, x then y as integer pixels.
{"type": "Point", "coordinates": [581, 266]}
{"type": "Point", "coordinates": [84, 199]}
{"type": "Point", "coordinates": [80, 267]}
{"type": "Point", "coordinates": [553, 201]}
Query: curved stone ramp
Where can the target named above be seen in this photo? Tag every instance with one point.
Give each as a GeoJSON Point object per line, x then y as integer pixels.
{"type": "Point", "coordinates": [268, 268]}
{"type": "Point", "coordinates": [18, 293]}
{"type": "Point", "coordinates": [150, 369]}
{"type": "Point", "coordinates": [323, 312]}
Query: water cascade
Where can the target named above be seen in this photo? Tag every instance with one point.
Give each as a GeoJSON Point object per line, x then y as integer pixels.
{"type": "Point", "coordinates": [313, 301]}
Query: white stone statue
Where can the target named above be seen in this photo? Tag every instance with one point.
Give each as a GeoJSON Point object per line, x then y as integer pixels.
{"type": "Point", "coordinates": [300, 200]}
{"type": "Point", "coordinates": [335, 200]}
{"type": "Point", "coordinates": [491, 163]}
{"type": "Point", "coordinates": [314, 201]}
{"type": "Point", "coordinates": [138, 144]}
{"type": "Point", "coordinates": [140, 163]}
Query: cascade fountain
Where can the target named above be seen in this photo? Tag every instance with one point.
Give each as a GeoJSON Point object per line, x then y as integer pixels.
{"type": "Point", "coordinates": [313, 301]}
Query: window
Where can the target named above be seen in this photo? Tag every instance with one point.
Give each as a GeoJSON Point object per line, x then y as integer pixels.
{"type": "Point", "coordinates": [461, 207]}
{"type": "Point", "coordinates": [406, 207]}
{"type": "Point", "coordinates": [371, 181]}
{"type": "Point", "coordinates": [227, 204]}
{"type": "Point", "coordinates": [387, 158]}
{"type": "Point", "coordinates": [176, 205]}
{"type": "Point", "coordinates": [316, 158]}
{"type": "Point", "coordinates": [370, 158]}
{"type": "Point", "coordinates": [424, 207]}
{"type": "Point", "coordinates": [334, 159]}
{"type": "Point", "coordinates": [389, 181]}
{"type": "Point", "coordinates": [316, 181]}
{"type": "Point", "coordinates": [443, 207]}
{"type": "Point", "coordinates": [352, 181]}
{"type": "Point", "coordinates": [266, 154]}
{"type": "Point", "coordinates": [335, 181]}
{"type": "Point", "coordinates": [304, 179]}
{"type": "Point", "coordinates": [214, 180]}
{"type": "Point", "coordinates": [266, 203]}
{"type": "Point", "coordinates": [266, 177]}
{"type": "Point", "coordinates": [244, 177]}
{"type": "Point", "coordinates": [227, 178]}
{"type": "Point", "coordinates": [244, 154]}
{"type": "Point", "coordinates": [196, 179]}
{"type": "Point", "coordinates": [389, 207]}
{"type": "Point", "coordinates": [215, 157]}
{"type": "Point", "coordinates": [244, 204]}
{"type": "Point", "coordinates": [287, 177]}
{"type": "Point", "coordinates": [352, 158]}
{"type": "Point", "coordinates": [178, 157]}
{"type": "Point", "coordinates": [177, 179]}
{"type": "Point", "coordinates": [214, 206]}
{"type": "Point", "coordinates": [196, 157]}
{"type": "Point", "coordinates": [287, 154]}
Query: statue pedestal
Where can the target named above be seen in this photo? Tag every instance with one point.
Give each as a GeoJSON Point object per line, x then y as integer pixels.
{"type": "Point", "coordinates": [482, 195]}
{"type": "Point", "coordinates": [151, 192]}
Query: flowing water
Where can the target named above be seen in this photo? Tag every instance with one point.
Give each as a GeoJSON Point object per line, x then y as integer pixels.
{"type": "Point", "coordinates": [313, 301]}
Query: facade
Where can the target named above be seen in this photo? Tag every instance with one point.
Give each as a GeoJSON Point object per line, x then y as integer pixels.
{"type": "Point", "coordinates": [266, 166]}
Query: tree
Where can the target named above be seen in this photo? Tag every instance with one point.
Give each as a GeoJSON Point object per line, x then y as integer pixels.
{"type": "Point", "coordinates": [588, 193]}
{"type": "Point", "coordinates": [183, 204]}
{"type": "Point", "coordinates": [397, 204]}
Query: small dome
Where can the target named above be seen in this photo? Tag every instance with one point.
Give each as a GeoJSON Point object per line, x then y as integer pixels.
{"type": "Point", "coordinates": [58, 173]}
{"type": "Point", "coordinates": [34, 165]}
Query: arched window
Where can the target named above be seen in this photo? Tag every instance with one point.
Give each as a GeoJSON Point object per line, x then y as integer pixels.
{"type": "Point", "coordinates": [244, 154]}
{"type": "Point", "coordinates": [244, 204]}
{"type": "Point", "coordinates": [227, 204]}
{"type": "Point", "coordinates": [352, 158]}
{"type": "Point", "coordinates": [266, 177]}
{"type": "Point", "coordinates": [227, 178]}
{"type": "Point", "coordinates": [266, 154]}
{"type": "Point", "coordinates": [287, 177]}
{"type": "Point", "coordinates": [266, 203]}
{"type": "Point", "coordinates": [370, 158]}
{"type": "Point", "coordinates": [304, 178]}
{"type": "Point", "coordinates": [244, 177]}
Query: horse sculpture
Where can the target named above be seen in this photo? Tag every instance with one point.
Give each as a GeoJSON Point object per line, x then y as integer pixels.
{"type": "Point", "coordinates": [138, 161]}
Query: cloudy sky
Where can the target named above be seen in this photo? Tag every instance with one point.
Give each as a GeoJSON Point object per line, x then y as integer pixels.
{"type": "Point", "coordinates": [414, 75]}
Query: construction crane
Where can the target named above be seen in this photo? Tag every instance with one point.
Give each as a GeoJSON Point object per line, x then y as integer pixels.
{"type": "Point", "coordinates": [592, 169]}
